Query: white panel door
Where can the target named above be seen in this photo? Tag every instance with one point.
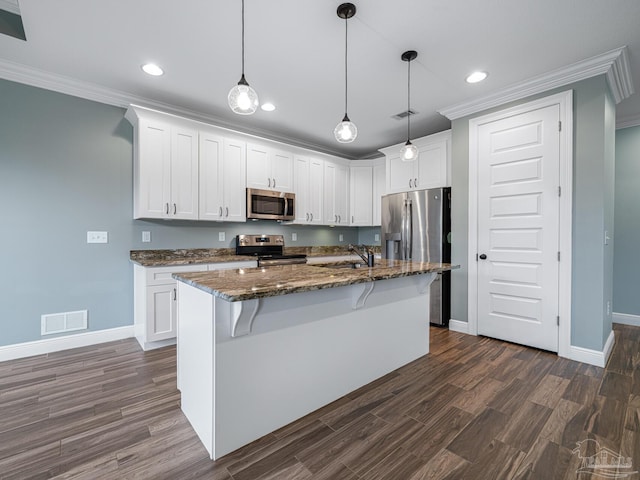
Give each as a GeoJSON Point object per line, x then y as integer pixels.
{"type": "Point", "coordinates": [282, 171]}
{"type": "Point", "coordinates": [518, 225]}
{"type": "Point", "coordinates": [301, 174]}
{"type": "Point", "coordinates": [342, 194]}
{"type": "Point", "coordinates": [258, 167]}
{"type": "Point", "coordinates": [361, 196]}
{"type": "Point", "coordinates": [161, 303]}
{"type": "Point", "coordinates": [153, 171]}
{"type": "Point", "coordinates": [316, 191]}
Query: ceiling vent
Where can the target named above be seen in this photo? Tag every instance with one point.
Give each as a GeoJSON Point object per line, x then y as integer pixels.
{"type": "Point", "coordinates": [403, 115]}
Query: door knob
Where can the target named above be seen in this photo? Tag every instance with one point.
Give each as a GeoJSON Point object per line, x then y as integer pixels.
{"type": "Point", "coordinates": [483, 257]}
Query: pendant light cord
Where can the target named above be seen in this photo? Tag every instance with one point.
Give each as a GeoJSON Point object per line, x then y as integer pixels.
{"type": "Point", "coordinates": [346, 52]}
{"type": "Point", "coordinates": [242, 38]}
{"type": "Point", "coordinates": [408, 100]}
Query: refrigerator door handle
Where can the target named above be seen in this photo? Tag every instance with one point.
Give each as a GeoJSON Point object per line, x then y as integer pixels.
{"type": "Point", "coordinates": [409, 240]}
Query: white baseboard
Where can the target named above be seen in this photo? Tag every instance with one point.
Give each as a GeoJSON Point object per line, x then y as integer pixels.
{"type": "Point", "coordinates": [458, 326]}
{"type": "Point", "coordinates": [593, 357]}
{"type": "Point", "coordinates": [626, 319]}
{"type": "Point", "coordinates": [49, 345]}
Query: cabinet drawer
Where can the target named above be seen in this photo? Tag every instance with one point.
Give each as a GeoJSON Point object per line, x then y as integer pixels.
{"type": "Point", "coordinates": [162, 275]}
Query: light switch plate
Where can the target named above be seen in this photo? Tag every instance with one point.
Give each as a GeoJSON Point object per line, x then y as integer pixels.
{"type": "Point", "coordinates": [341, 238]}
{"type": "Point", "coordinates": [146, 237]}
{"type": "Point", "coordinates": [294, 237]}
{"type": "Point", "coordinates": [97, 237]}
{"type": "Point", "coordinates": [376, 237]}
{"type": "Point", "coordinates": [221, 236]}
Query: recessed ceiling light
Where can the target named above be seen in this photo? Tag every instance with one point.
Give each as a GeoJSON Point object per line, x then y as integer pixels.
{"type": "Point", "coordinates": [152, 69]}
{"type": "Point", "coordinates": [268, 107]}
{"type": "Point", "coordinates": [476, 77]}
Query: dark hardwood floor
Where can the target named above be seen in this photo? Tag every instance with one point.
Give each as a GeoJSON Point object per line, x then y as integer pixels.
{"type": "Point", "coordinates": [475, 408]}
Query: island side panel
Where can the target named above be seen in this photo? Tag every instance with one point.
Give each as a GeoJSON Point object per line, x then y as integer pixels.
{"type": "Point", "coordinates": [309, 349]}
{"type": "Point", "coordinates": [195, 361]}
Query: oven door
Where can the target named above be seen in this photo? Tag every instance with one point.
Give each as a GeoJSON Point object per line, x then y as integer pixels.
{"type": "Point", "coordinates": [270, 205]}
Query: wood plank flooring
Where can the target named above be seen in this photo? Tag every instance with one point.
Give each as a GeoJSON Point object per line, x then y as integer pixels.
{"type": "Point", "coordinates": [475, 408]}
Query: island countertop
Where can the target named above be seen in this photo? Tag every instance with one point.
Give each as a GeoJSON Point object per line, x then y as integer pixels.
{"type": "Point", "coordinates": [245, 284]}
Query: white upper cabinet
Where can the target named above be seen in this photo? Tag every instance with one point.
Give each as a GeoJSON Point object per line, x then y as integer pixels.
{"type": "Point", "coordinates": [379, 189]}
{"type": "Point", "coordinates": [361, 195]}
{"type": "Point", "coordinates": [165, 168]}
{"type": "Point", "coordinates": [336, 194]}
{"type": "Point", "coordinates": [308, 176]}
{"type": "Point", "coordinates": [431, 170]}
{"type": "Point", "coordinates": [222, 178]}
{"type": "Point", "coordinates": [269, 168]}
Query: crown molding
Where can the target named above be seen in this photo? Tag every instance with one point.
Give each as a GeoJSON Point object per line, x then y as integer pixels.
{"type": "Point", "coordinates": [629, 121]}
{"type": "Point", "coordinates": [10, 6]}
{"type": "Point", "coordinates": [614, 63]}
{"type": "Point", "coordinates": [34, 77]}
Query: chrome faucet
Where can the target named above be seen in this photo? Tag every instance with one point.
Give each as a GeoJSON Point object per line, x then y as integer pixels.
{"type": "Point", "coordinates": [368, 258]}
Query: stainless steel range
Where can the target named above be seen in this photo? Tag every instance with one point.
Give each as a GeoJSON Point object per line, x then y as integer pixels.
{"type": "Point", "coordinates": [268, 248]}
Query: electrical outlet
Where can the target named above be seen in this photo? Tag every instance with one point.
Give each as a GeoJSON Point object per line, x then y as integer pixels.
{"type": "Point", "coordinates": [341, 238]}
{"type": "Point", "coordinates": [146, 237]}
{"type": "Point", "coordinates": [376, 237]}
{"type": "Point", "coordinates": [97, 237]}
{"type": "Point", "coordinates": [294, 237]}
{"type": "Point", "coordinates": [221, 236]}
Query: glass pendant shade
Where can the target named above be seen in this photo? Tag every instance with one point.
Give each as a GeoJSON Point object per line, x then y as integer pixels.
{"type": "Point", "coordinates": [409, 152]}
{"type": "Point", "coordinates": [243, 99]}
{"type": "Point", "coordinates": [346, 131]}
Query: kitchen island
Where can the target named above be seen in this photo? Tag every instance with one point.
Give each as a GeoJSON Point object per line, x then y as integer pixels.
{"type": "Point", "coordinates": [261, 347]}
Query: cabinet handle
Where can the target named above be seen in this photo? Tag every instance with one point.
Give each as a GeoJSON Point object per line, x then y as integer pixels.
{"type": "Point", "coordinates": [269, 182]}
{"type": "Point", "coordinates": [307, 217]}
{"type": "Point", "coordinates": [351, 218]}
{"type": "Point", "coordinates": [335, 218]}
{"type": "Point", "coordinates": [226, 210]}
{"type": "Point", "coordinates": [175, 208]}
{"type": "Point", "coordinates": [339, 218]}
{"type": "Point", "coordinates": [415, 183]}
{"type": "Point", "coordinates": [274, 183]}
{"type": "Point", "coordinates": [166, 208]}
{"type": "Point", "coordinates": [220, 213]}
{"type": "Point", "coordinates": [175, 295]}
{"type": "Point", "coordinates": [410, 183]}
{"type": "Point", "coordinates": [312, 217]}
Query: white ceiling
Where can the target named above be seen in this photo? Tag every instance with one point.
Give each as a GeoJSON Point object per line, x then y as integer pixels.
{"type": "Point", "coordinates": [295, 56]}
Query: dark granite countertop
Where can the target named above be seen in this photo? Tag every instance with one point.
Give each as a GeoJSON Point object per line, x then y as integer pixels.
{"type": "Point", "coordinates": [249, 283]}
{"type": "Point", "coordinates": [194, 256]}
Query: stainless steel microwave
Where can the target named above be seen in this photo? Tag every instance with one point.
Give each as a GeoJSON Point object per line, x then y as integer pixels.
{"type": "Point", "coordinates": [270, 205]}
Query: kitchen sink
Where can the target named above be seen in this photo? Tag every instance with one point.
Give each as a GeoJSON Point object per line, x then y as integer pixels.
{"type": "Point", "coordinates": [342, 265]}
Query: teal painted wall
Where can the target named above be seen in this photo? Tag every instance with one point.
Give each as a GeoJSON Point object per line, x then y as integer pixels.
{"type": "Point", "coordinates": [593, 130]}
{"type": "Point", "coordinates": [626, 264]}
{"type": "Point", "coordinates": [66, 168]}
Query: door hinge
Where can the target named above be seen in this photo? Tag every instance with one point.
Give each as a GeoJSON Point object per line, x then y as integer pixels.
{"type": "Point", "coordinates": [558, 256]}
{"type": "Point", "coordinates": [559, 125]}
{"type": "Point", "coordinates": [558, 320]}
{"type": "Point", "coordinates": [559, 191]}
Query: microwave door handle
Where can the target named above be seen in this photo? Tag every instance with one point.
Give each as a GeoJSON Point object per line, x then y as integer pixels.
{"type": "Point", "coordinates": [286, 206]}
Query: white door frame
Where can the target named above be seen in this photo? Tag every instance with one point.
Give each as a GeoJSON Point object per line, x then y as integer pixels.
{"type": "Point", "coordinates": [565, 102]}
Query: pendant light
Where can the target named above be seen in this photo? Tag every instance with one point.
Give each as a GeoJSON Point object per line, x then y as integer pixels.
{"type": "Point", "coordinates": [346, 131]}
{"type": "Point", "coordinates": [409, 152]}
{"type": "Point", "coordinates": [243, 99]}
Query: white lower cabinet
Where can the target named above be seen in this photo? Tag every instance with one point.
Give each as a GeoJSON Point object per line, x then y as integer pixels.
{"type": "Point", "coordinates": [155, 300]}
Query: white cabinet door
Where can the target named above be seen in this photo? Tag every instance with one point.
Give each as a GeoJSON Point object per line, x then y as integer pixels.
{"type": "Point", "coordinates": [282, 171]}
{"type": "Point", "coordinates": [342, 194]}
{"type": "Point", "coordinates": [184, 173]}
{"type": "Point", "coordinates": [161, 308]}
{"type": "Point", "coordinates": [211, 184]}
{"type": "Point", "coordinates": [234, 181]}
{"type": "Point", "coordinates": [269, 169]}
{"type": "Point", "coordinates": [152, 181]}
{"type": "Point", "coordinates": [401, 176]}
{"type": "Point", "coordinates": [301, 184]}
{"type": "Point", "coordinates": [361, 196]}
{"type": "Point", "coordinates": [258, 167]}
{"type": "Point", "coordinates": [378, 191]}
{"type": "Point", "coordinates": [316, 191]}
{"type": "Point", "coordinates": [432, 165]}
{"type": "Point", "coordinates": [329, 200]}
{"type": "Point", "coordinates": [431, 170]}
{"type": "Point", "coordinates": [308, 174]}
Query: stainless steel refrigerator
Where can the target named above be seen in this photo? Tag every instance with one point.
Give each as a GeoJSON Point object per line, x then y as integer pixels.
{"type": "Point", "coordinates": [416, 226]}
